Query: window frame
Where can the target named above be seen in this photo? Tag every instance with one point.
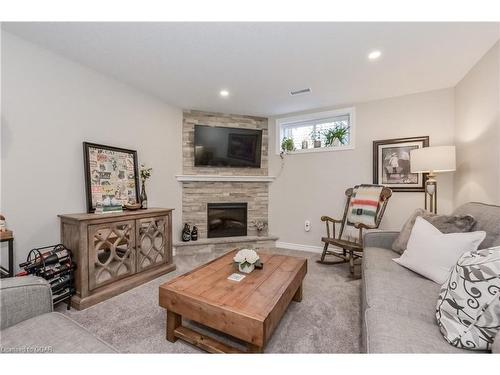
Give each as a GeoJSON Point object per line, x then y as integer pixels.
{"type": "Point", "coordinates": [280, 122]}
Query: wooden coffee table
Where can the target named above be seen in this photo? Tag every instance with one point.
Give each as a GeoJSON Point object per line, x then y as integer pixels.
{"type": "Point", "coordinates": [249, 310]}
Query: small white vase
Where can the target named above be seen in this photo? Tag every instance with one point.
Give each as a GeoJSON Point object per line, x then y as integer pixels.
{"type": "Point", "coordinates": [246, 268]}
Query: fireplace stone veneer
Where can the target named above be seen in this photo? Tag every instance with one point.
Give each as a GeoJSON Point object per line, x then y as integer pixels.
{"type": "Point", "coordinates": [196, 195]}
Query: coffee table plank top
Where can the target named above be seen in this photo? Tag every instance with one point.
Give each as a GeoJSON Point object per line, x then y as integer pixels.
{"type": "Point", "coordinates": [265, 296]}
{"type": "Point", "coordinates": [255, 296]}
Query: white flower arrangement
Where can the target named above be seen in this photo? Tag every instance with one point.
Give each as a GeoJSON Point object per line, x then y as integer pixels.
{"type": "Point", "coordinates": [247, 259]}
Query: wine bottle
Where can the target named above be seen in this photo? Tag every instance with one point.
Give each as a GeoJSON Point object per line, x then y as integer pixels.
{"type": "Point", "coordinates": [51, 272]}
{"type": "Point", "coordinates": [50, 257]}
{"type": "Point", "coordinates": [65, 293]}
{"type": "Point", "coordinates": [56, 249]}
{"type": "Point", "coordinates": [61, 283]}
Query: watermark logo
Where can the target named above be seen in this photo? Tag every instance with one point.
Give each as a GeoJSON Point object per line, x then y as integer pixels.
{"type": "Point", "coordinates": [27, 349]}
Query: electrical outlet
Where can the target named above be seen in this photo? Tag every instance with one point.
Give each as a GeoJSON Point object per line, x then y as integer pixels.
{"type": "Point", "coordinates": [307, 225]}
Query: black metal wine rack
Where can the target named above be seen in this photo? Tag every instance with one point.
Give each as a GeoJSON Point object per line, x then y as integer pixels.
{"type": "Point", "coordinates": [59, 273]}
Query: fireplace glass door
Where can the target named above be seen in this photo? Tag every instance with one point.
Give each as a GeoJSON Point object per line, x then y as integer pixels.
{"type": "Point", "coordinates": [226, 219]}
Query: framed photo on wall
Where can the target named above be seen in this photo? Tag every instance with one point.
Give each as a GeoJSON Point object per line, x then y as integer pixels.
{"type": "Point", "coordinates": [392, 164]}
{"type": "Point", "coordinates": [111, 174]}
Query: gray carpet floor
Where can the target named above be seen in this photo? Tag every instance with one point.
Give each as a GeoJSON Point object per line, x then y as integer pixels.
{"type": "Point", "coordinates": [326, 321]}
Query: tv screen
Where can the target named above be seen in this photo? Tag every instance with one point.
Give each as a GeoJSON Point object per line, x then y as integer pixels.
{"type": "Point", "coordinates": [227, 147]}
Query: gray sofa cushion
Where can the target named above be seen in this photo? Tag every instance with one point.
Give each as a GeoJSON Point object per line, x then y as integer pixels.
{"type": "Point", "coordinates": [392, 332]}
{"type": "Point", "coordinates": [487, 218]}
{"type": "Point", "coordinates": [54, 333]}
{"type": "Point", "coordinates": [388, 286]}
{"type": "Point", "coordinates": [22, 298]}
{"type": "Point", "coordinates": [445, 224]}
{"type": "Point", "coordinates": [383, 239]}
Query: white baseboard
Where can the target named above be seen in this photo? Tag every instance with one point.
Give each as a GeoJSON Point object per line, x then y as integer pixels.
{"type": "Point", "coordinates": [296, 246]}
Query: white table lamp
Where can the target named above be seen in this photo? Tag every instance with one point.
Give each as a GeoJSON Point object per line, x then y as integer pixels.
{"type": "Point", "coordinates": [432, 160]}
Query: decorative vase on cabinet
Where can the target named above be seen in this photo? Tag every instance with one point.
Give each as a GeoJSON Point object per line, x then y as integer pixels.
{"type": "Point", "coordinates": [144, 196]}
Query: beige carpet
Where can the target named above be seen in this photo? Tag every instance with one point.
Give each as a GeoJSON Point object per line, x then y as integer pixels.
{"type": "Point", "coordinates": [326, 321]}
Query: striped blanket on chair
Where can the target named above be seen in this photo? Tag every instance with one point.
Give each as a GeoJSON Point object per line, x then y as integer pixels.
{"type": "Point", "coordinates": [364, 204]}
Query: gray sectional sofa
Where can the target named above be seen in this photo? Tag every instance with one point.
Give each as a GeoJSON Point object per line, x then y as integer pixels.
{"type": "Point", "coordinates": [398, 305]}
{"type": "Point", "coordinates": [28, 324]}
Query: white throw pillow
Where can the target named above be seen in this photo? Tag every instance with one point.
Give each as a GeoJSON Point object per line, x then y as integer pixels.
{"type": "Point", "coordinates": [432, 254]}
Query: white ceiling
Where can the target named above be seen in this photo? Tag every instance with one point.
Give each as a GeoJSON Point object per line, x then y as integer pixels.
{"type": "Point", "coordinates": [187, 64]}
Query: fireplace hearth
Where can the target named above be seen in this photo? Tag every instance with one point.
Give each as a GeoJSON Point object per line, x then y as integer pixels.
{"type": "Point", "coordinates": [226, 219]}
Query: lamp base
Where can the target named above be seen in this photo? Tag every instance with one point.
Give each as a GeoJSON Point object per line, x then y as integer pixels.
{"type": "Point", "coordinates": [431, 193]}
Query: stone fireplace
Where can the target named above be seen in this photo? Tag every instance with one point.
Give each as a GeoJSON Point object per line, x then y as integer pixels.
{"type": "Point", "coordinates": [210, 188]}
{"type": "Point", "coordinates": [226, 219]}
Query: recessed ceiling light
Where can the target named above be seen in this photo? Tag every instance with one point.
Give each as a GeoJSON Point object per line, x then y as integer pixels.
{"type": "Point", "coordinates": [224, 93]}
{"type": "Point", "coordinates": [374, 55]}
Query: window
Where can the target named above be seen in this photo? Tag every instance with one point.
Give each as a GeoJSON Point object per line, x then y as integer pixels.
{"type": "Point", "coordinates": [324, 131]}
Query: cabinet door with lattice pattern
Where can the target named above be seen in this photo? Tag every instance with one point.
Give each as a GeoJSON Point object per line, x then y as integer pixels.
{"type": "Point", "coordinates": [111, 252]}
{"type": "Point", "coordinates": [152, 242]}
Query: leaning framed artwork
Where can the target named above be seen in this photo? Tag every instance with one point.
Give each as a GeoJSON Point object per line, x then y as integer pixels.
{"type": "Point", "coordinates": [392, 164]}
{"type": "Point", "coordinates": [111, 175]}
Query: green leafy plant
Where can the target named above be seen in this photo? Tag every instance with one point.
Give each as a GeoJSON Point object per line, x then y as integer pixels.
{"type": "Point", "coordinates": [287, 145]}
{"type": "Point", "coordinates": [145, 172]}
{"type": "Point", "coordinates": [316, 135]}
{"type": "Point", "coordinates": [337, 133]}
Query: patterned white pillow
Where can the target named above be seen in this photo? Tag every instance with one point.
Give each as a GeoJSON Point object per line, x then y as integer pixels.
{"type": "Point", "coordinates": [468, 307]}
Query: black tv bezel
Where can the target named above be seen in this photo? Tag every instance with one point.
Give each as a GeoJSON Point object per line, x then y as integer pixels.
{"type": "Point", "coordinates": [259, 154]}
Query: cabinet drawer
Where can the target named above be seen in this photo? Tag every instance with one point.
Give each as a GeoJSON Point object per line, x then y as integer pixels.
{"type": "Point", "coordinates": [111, 252]}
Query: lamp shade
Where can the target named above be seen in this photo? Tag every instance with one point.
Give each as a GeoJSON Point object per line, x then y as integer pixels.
{"type": "Point", "coordinates": [433, 159]}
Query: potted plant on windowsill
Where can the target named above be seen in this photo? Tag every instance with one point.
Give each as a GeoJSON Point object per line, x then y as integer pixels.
{"type": "Point", "coordinates": [287, 145]}
{"type": "Point", "coordinates": [316, 137]}
{"type": "Point", "coordinates": [336, 136]}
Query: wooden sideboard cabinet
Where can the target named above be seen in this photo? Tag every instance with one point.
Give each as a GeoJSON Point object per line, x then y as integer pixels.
{"type": "Point", "coordinates": [117, 251]}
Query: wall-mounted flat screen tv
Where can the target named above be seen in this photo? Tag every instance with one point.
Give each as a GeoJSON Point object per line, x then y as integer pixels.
{"type": "Point", "coordinates": [227, 147]}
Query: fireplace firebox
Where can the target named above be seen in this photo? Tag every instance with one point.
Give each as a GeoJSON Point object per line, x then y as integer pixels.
{"type": "Point", "coordinates": [226, 219]}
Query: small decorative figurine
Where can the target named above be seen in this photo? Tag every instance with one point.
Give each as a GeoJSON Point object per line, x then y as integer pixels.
{"type": "Point", "coordinates": [186, 233]}
{"type": "Point", "coordinates": [194, 233]}
{"type": "Point", "coordinates": [260, 225]}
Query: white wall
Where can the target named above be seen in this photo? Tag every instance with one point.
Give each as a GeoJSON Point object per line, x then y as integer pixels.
{"type": "Point", "coordinates": [50, 105]}
{"type": "Point", "coordinates": [313, 184]}
{"type": "Point", "coordinates": [477, 102]}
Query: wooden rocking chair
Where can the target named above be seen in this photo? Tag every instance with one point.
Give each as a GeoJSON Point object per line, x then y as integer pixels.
{"type": "Point", "coordinates": [351, 249]}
